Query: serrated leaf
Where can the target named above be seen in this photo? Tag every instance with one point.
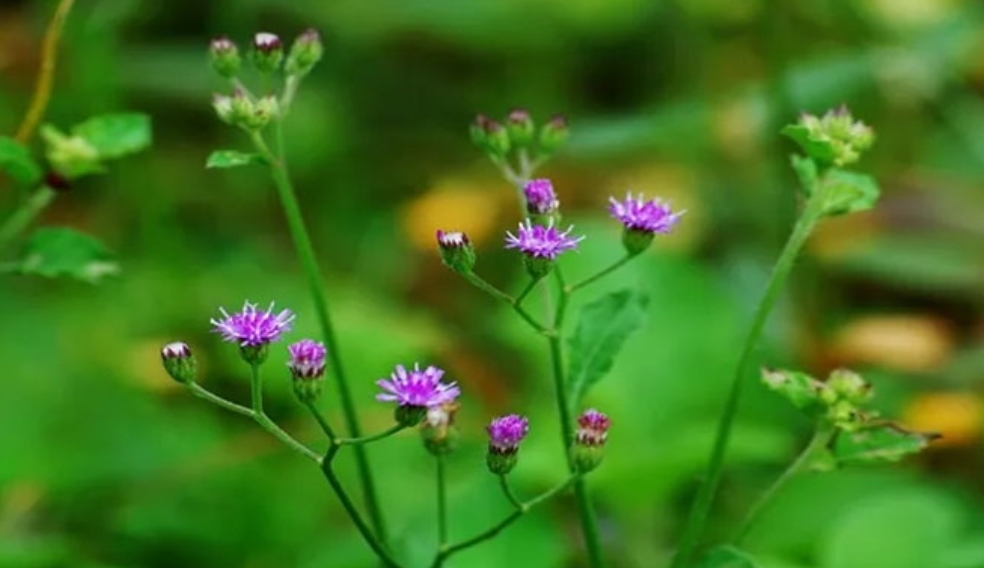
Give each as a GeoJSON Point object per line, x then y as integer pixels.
{"type": "Point", "coordinates": [601, 331]}
{"type": "Point", "coordinates": [59, 251]}
{"type": "Point", "coordinates": [16, 161]}
{"type": "Point", "coordinates": [879, 443]}
{"type": "Point", "coordinates": [727, 557]}
{"type": "Point", "coordinates": [799, 388]}
{"type": "Point", "coordinates": [231, 159]}
{"type": "Point", "coordinates": [847, 192]}
{"type": "Point", "coordinates": [116, 135]}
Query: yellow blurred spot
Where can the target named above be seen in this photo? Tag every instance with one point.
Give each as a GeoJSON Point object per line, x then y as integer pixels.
{"type": "Point", "coordinates": [959, 417]}
{"type": "Point", "coordinates": [839, 236]}
{"type": "Point", "coordinates": [912, 13]}
{"type": "Point", "coordinates": [669, 182]}
{"type": "Point", "coordinates": [912, 343]}
{"type": "Point", "coordinates": [738, 125]}
{"type": "Point", "coordinates": [458, 204]}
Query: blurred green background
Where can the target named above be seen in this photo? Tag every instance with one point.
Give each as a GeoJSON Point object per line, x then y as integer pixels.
{"type": "Point", "coordinates": [106, 463]}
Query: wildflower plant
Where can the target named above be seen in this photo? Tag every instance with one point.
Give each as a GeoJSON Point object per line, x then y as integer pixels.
{"type": "Point", "coordinates": [426, 398]}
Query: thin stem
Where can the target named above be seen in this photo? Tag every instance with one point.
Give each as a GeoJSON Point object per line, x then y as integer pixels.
{"type": "Point", "coordinates": [442, 502]}
{"type": "Point", "coordinates": [203, 393]}
{"type": "Point", "coordinates": [46, 76]}
{"type": "Point", "coordinates": [322, 422]}
{"type": "Point", "coordinates": [372, 438]}
{"type": "Point", "coordinates": [705, 495]}
{"type": "Point", "coordinates": [260, 417]}
{"type": "Point", "coordinates": [586, 513]}
{"type": "Point", "coordinates": [508, 492]}
{"type": "Point", "coordinates": [521, 510]}
{"type": "Point", "coordinates": [614, 266]}
{"type": "Point", "coordinates": [375, 544]}
{"type": "Point", "coordinates": [821, 437]}
{"type": "Point", "coordinates": [305, 253]}
{"type": "Point", "coordinates": [22, 217]}
{"type": "Point", "coordinates": [529, 288]}
{"type": "Point", "coordinates": [498, 294]}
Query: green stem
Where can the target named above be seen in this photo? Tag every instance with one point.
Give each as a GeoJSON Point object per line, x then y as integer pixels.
{"type": "Point", "coordinates": [366, 532]}
{"type": "Point", "coordinates": [205, 394]}
{"type": "Point", "coordinates": [508, 492]}
{"type": "Point", "coordinates": [586, 513]}
{"type": "Point", "coordinates": [481, 284]}
{"type": "Point", "coordinates": [322, 422]}
{"type": "Point", "coordinates": [260, 417]}
{"type": "Point", "coordinates": [615, 266]}
{"type": "Point", "coordinates": [529, 288]}
{"type": "Point", "coordinates": [442, 503]}
{"type": "Point", "coordinates": [22, 217]}
{"type": "Point", "coordinates": [372, 438]}
{"type": "Point", "coordinates": [305, 252]}
{"type": "Point", "coordinates": [521, 510]}
{"type": "Point", "coordinates": [705, 495]}
{"type": "Point", "coordinates": [821, 437]}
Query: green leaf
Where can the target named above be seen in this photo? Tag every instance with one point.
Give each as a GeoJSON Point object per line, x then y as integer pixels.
{"type": "Point", "coordinates": [806, 171]}
{"type": "Point", "coordinates": [16, 161]}
{"type": "Point", "coordinates": [799, 388]}
{"type": "Point", "coordinates": [847, 192]}
{"type": "Point", "coordinates": [727, 557]}
{"type": "Point", "coordinates": [604, 326]}
{"type": "Point", "coordinates": [878, 443]}
{"type": "Point", "coordinates": [822, 151]}
{"type": "Point", "coordinates": [116, 135]}
{"type": "Point", "coordinates": [58, 251]}
{"type": "Point", "coordinates": [231, 159]}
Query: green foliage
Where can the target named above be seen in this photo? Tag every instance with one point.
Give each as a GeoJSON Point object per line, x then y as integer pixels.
{"type": "Point", "coordinates": [848, 192]}
{"type": "Point", "coordinates": [116, 135]}
{"type": "Point", "coordinates": [727, 557]}
{"type": "Point", "coordinates": [16, 161]}
{"type": "Point", "coordinates": [603, 327]}
{"type": "Point", "coordinates": [58, 251]}
{"type": "Point", "coordinates": [231, 159]}
{"type": "Point", "coordinates": [878, 443]}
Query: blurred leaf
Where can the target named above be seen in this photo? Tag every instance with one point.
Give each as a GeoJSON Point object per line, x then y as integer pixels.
{"type": "Point", "coordinates": [806, 171]}
{"type": "Point", "coordinates": [727, 557]}
{"type": "Point", "coordinates": [818, 149]}
{"type": "Point", "coordinates": [879, 443]}
{"type": "Point", "coordinates": [604, 326]}
{"type": "Point", "coordinates": [848, 192]}
{"type": "Point", "coordinates": [58, 251]}
{"type": "Point", "coordinates": [231, 159]}
{"type": "Point", "coordinates": [799, 388]}
{"type": "Point", "coordinates": [116, 135]}
{"type": "Point", "coordinates": [16, 161]}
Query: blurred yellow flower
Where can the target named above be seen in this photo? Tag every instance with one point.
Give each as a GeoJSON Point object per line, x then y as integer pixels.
{"type": "Point", "coordinates": [958, 416]}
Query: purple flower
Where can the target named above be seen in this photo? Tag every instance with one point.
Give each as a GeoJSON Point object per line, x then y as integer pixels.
{"type": "Point", "coordinates": [540, 197]}
{"type": "Point", "coordinates": [307, 359]}
{"type": "Point", "coordinates": [538, 241]}
{"type": "Point", "coordinates": [251, 327]}
{"type": "Point", "coordinates": [178, 362]}
{"type": "Point", "coordinates": [417, 388]}
{"type": "Point", "coordinates": [592, 428]}
{"type": "Point", "coordinates": [175, 350]}
{"type": "Point", "coordinates": [636, 214]}
{"type": "Point", "coordinates": [506, 432]}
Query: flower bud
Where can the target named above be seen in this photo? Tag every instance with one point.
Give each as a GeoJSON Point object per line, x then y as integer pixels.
{"type": "Point", "coordinates": [496, 139]}
{"type": "Point", "coordinates": [224, 57]}
{"type": "Point", "coordinates": [410, 415]}
{"type": "Point", "coordinates": [553, 134]}
{"type": "Point", "coordinates": [254, 354]}
{"type": "Point", "coordinates": [261, 113]}
{"type": "Point", "coordinates": [438, 431]}
{"type": "Point", "coordinates": [520, 127]}
{"type": "Point", "coordinates": [477, 131]}
{"type": "Point", "coordinates": [179, 362]}
{"type": "Point", "coordinates": [833, 139]}
{"type": "Point", "coordinates": [457, 252]}
{"type": "Point", "coordinates": [307, 367]}
{"type": "Point", "coordinates": [70, 156]}
{"type": "Point", "coordinates": [224, 108]}
{"type": "Point", "coordinates": [267, 52]}
{"type": "Point", "coordinates": [304, 54]}
{"type": "Point", "coordinates": [589, 441]}
{"type": "Point", "coordinates": [505, 434]}
{"type": "Point", "coordinates": [849, 386]}
{"type": "Point", "coordinates": [541, 200]}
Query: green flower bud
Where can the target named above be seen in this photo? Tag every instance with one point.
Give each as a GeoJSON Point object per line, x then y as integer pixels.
{"type": "Point", "coordinates": [589, 441]}
{"type": "Point", "coordinates": [554, 134]}
{"type": "Point", "coordinates": [224, 57]}
{"type": "Point", "coordinates": [409, 415]}
{"type": "Point", "coordinates": [304, 54]}
{"type": "Point", "coordinates": [267, 52]}
{"type": "Point", "coordinates": [849, 386]}
{"type": "Point", "coordinates": [501, 463]}
{"type": "Point", "coordinates": [520, 127]}
{"type": "Point", "coordinates": [537, 266]}
{"type": "Point", "coordinates": [496, 139]}
{"type": "Point", "coordinates": [834, 139]}
{"type": "Point", "coordinates": [254, 354]}
{"type": "Point", "coordinates": [179, 362]}
{"type": "Point", "coordinates": [479, 137]}
{"type": "Point", "coordinates": [457, 252]}
{"type": "Point", "coordinates": [636, 241]}
{"type": "Point", "coordinates": [438, 431]}
{"type": "Point", "coordinates": [70, 156]}
{"type": "Point", "coordinates": [261, 113]}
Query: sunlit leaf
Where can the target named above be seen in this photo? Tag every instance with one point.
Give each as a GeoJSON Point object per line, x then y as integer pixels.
{"type": "Point", "coordinates": [16, 161]}
{"type": "Point", "coordinates": [231, 159]}
{"type": "Point", "coordinates": [58, 251]}
{"type": "Point", "coordinates": [116, 135]}
{"type": "Point", "coordinates": [604, 326]}
{"type": "Point", "coordinates": [878, 443]}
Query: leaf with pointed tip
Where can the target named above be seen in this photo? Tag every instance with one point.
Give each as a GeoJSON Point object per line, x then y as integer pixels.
{"type": "Point", "coordinates": [601, 332]}
{"type": "Point", "coordinates": [116, 135]}
{"type": "Point", "coordinates": [879, 443]}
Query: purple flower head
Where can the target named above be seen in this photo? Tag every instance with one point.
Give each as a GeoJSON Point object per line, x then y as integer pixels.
{"type": "Point", "coordinates": [266, 42]}
{"type": "Point", "coordinates": [176, 350]}
{"type": "Point", "coordinates": [417, 388]}
{"type": "Point", "coordinates": [506, 432]}
{"type": "Point", "coordinates": [251, 327]}
{"type": "Point", "coordinates": [540, 197]}
{"type": "Point", "coordinates": [653, 216]}
{"type": "Point", "coordinates": [307, 359]}
{"type": "Point", "coordinates": [538, 241]}
{"type": "Point", "coordinates": [592, 428]}
{"type": "Point", "coordinates": [452, 240]}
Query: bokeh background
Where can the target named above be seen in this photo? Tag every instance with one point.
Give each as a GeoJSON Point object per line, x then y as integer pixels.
{"type": "Point", "coordinates": [104, 462]}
